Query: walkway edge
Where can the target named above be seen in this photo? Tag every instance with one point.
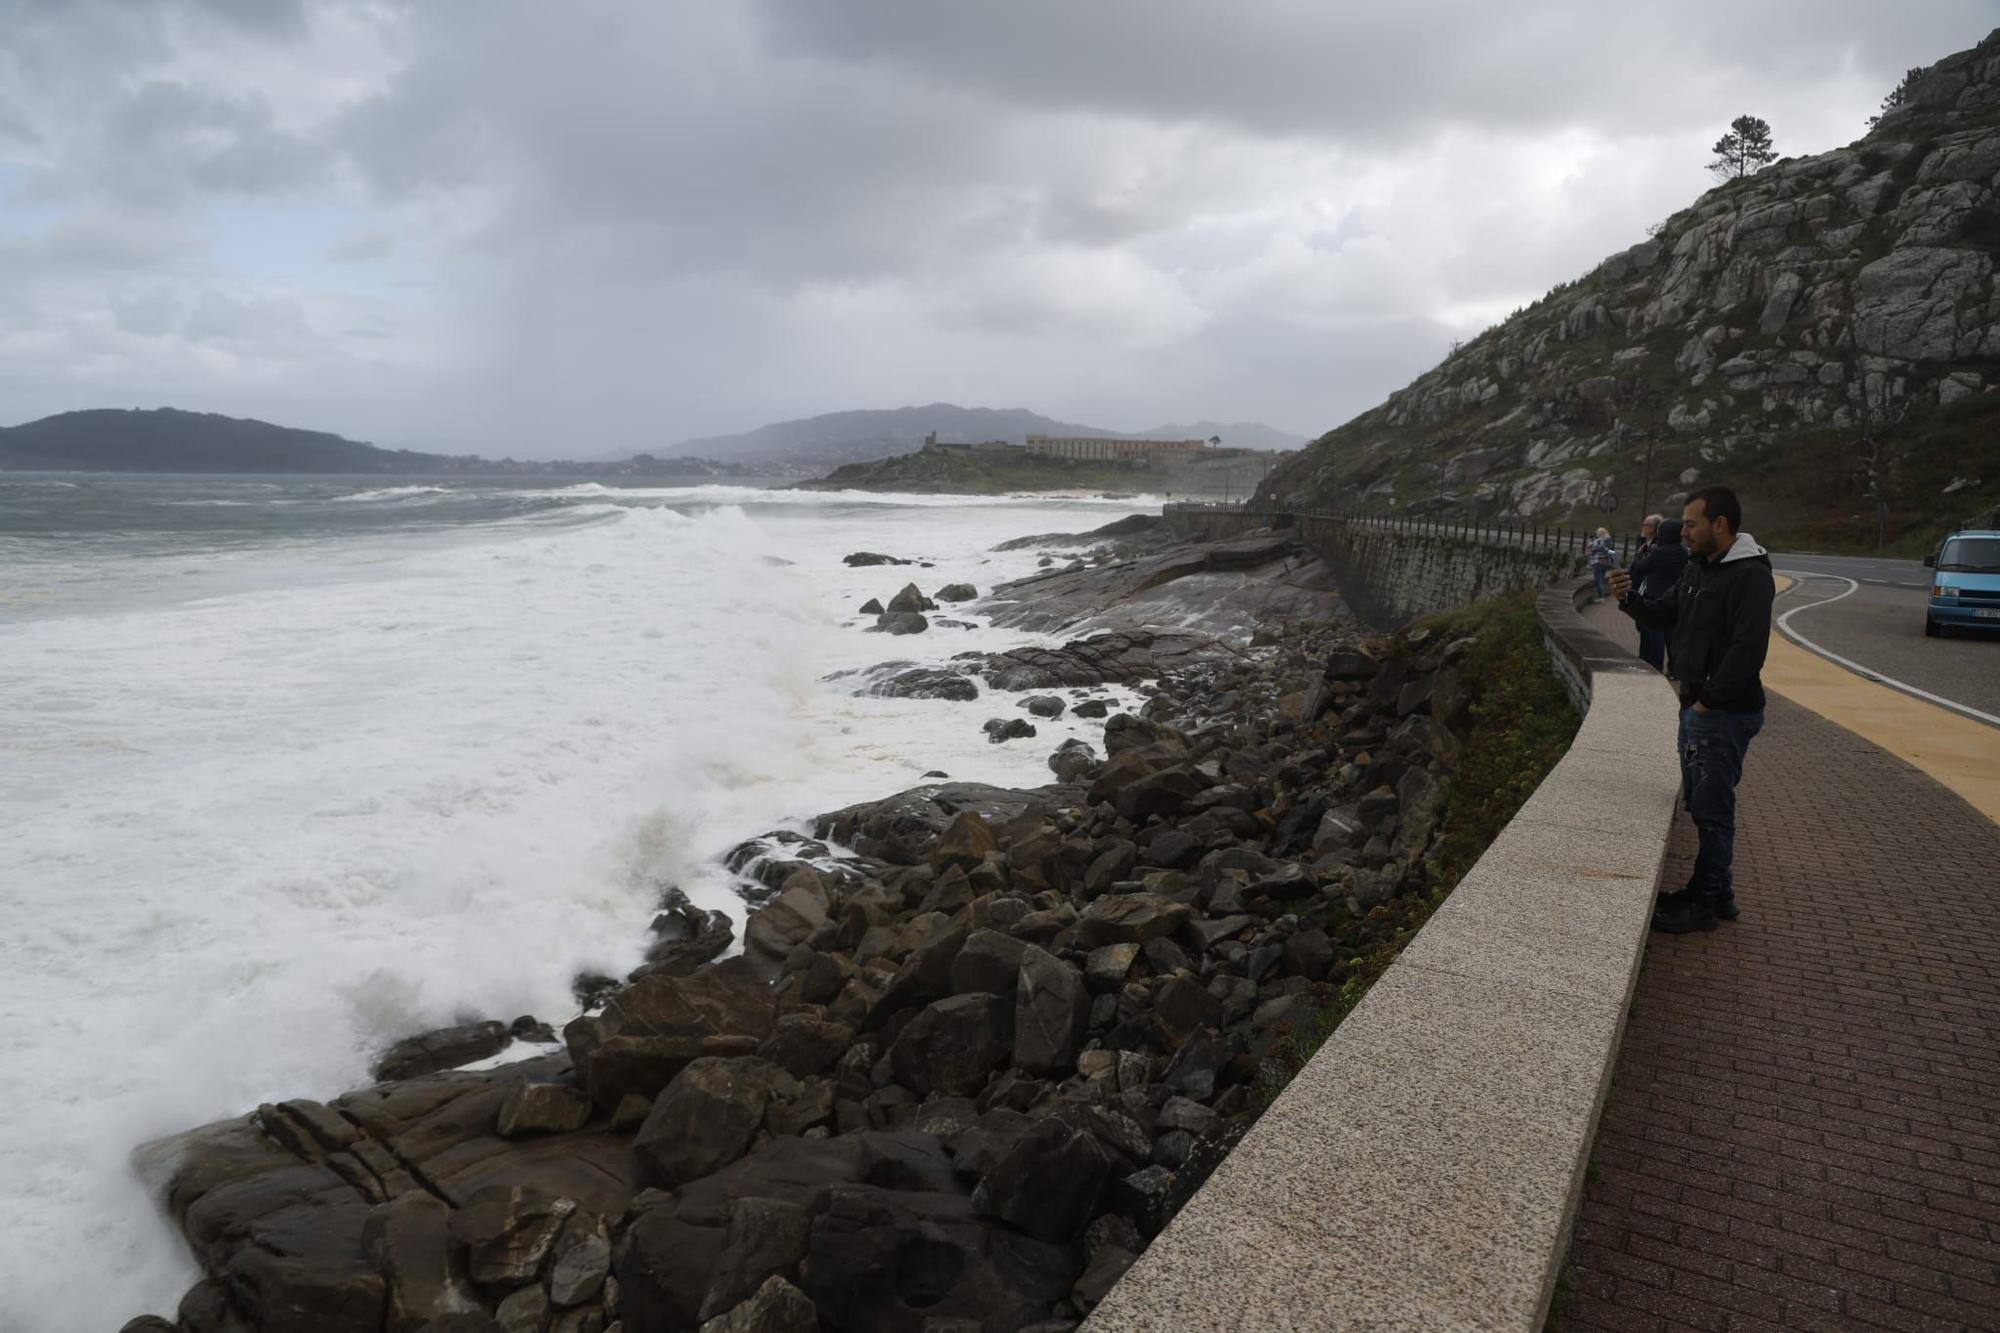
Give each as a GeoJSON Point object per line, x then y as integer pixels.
{"type": "Point", "coordinates": [1424, 1168]}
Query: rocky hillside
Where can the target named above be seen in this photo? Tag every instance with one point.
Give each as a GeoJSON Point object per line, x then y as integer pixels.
{"type": "Point", "coordinates": [1823, 334]}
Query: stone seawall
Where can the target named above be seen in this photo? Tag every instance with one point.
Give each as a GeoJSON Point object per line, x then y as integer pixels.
{"type": "Point", "coordinates": [1423, 1169]}
{"type": "Point", "coordinates": [1392, 570]}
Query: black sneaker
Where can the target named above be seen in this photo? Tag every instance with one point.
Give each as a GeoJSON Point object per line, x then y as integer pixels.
{"type": "Point", "coordinates": [1683, 912]}
{"type": "Point", "coordinates": [1725, 908]}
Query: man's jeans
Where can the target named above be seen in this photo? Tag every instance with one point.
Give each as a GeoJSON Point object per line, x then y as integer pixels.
{"type": "Point", "coordinates": [1712, 748]}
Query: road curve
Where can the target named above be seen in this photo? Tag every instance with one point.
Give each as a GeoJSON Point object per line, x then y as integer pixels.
{"type": "Point", "coordinates": [1871, 613]}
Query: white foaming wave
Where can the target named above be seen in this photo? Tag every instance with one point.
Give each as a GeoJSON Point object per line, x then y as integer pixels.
{"type": "Point", "coordinates": [263, 834]}
{"type": "Point", "coordinates": [392, 493]}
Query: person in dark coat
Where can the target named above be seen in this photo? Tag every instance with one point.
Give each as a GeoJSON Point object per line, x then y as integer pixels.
{"type": "Point", "coordinates": [1654, 574]}
{"type": "Point", "coordinates": [1718, 618]}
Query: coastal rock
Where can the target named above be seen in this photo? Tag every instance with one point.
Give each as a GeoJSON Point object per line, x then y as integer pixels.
{"type": "Point", "coordinates": [685, 937]}
{"type": "Point", "coordinates": [652, 1029]}
{"type": "Point", "coordinates": [899, 622]}
{"type": "Point", "coordinates": [1048, 1184]}
{"type": "Point", "coordinates": [927, 683]}
{"type": "Point", "coordinates": [775, 1307]}
{"type": "Point", "coordinates": [911, 599]}
{"type": "Point", "coordinates": [965, 842]}
{"type": "Point", "coordinates": [1073, 761]}
{"type": "Point", "coordinates": [872, 607]}
{"type": "Point", "coordinates": [1000, 729]}
{"type": "Point", "coordinates": [865, 559]}
{"type": "Point", "coordinates": [1043, 705]}
{"type": "Point", "coordinates": [1091, 708]}
{"type": "Point", "coordinates": [781, 924]}
{"type": "Point", "coordinates": [444, 1048]}
{"type": "Point", "coordinates": [953, 1045]}
{"type": "Point", "coordinates": [542, 1108]}
{"type": "Point", "coordinates": [704, 1119]}
{"type": "Point", "coordinates": [1050, 1008]}
{"type": "Point", "coordinates": [507, 1232]}
{"type": "Point", "coordinates": [1129, 918]}
{"type": "Point", "coordinates": [956, 592]}
{"type": "Point", "coordinates": [763, 1241]}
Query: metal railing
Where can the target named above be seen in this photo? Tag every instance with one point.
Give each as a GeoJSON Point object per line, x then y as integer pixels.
{"type": "Point", "coordinates": [1574, 542]}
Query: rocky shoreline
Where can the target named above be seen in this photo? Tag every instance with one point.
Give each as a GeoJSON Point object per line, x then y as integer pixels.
{"type": "Point", "coordinates": [978, 1044]}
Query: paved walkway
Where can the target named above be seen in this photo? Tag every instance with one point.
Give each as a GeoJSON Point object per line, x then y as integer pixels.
{"type": "Point", "coordinates": [1803, 1129]}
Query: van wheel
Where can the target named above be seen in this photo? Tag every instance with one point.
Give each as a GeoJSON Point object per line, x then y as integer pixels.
{"type": "Point", "coordinates": [1932, 629]}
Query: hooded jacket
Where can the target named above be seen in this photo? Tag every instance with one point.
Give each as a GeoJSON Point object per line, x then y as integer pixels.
{"type": "Point", "coordinates": [1718, 622]}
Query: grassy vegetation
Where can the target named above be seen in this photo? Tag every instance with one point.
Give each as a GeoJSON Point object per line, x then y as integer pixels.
{"type": "Point", "coordinates": [960, 474]}
{"type": "Point", "coordinates": [1521, 724]}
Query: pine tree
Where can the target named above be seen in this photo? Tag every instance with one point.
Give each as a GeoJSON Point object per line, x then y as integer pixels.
{"type": "Point", "coordinates": [1896, 97]}
{"type": "Point", "coordinates": [1745, 149]}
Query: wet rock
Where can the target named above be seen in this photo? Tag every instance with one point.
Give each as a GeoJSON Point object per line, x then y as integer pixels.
{"type": "Point", "coordinates": [764, 1240]}
{"type": "Point", "coordinates": [542, 1108]}
{"type": "Point", "coordinates": [1091, 708]}
{"type": "Point", "coordinates": [1073, 761]}
{"type": "Point", "coordinates": [580, 1268]}
{"type": "Point", "coordinates": [1044, 705]}
{"type": "Point", "coordinates": [910, 600]}
{"type": "Point", "coordinates": [1106, 968]}
{"type": "Point", "coordinates": [775, 1307]}
{"type": "Point", "coordinates": [649, 1031]}
{"type": "Point", "coordinates": [1008, 728]}
{"type": "Point", "coordinates": [507, 1231]}
{"type": "Point", "coordinates": [899, 622]}
{"type": "Point", "coordinates": [965, 842]}
{"type": "Point", "coordinates": [956, 592]}
{"type": "Point", "coordinates": [907, 1262]}
{"type": "Point", "coordinates": [1048, 1183]}
{"type": "Point", "coordinates": [927, 683]}
{"type": "Point", "coordinates": [523, 1311]}
{"type": "Point", "coordinates": [989, 962]}
{"type": "Point", "coordinates": [1050, 1007]}
{"type": "Point", "coordinates": [1128, 732]}
{"type": "Point", "coordinates": [865, 559]}
{"type": "Point", "coordinates": [444, 1048]}
{"type": "Point", "coordinates": [685, 937]}
{"type": "Point", "coordinates": [953, 1045]}
{"type": "Point", "coordinates": [803, 1045]}
{"type": "Point", "coordinates": [872, 607]}
{"type": "Point", "coordinates": [704, 1119]}
{"type": "Point", "coordinates": [1130, 918]}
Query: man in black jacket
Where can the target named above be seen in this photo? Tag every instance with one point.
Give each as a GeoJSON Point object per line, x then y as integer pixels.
{"type": "Point", "coordinates": [1718, 618]}
{"type": "Point", "coordinates": [1655, 573]}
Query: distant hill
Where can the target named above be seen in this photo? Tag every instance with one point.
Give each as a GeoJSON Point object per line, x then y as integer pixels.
{"type": "Point", "coordinates": [167, 439]}
{"type": "Point", "coordinates": [1823, 335]}
{"type": "Point", "coordinates": [865, 436]}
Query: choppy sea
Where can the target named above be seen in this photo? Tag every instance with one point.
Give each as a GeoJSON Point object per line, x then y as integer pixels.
{"type": "Point", "coordinates": [292, 767]}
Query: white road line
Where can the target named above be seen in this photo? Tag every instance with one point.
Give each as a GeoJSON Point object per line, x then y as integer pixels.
{"type": "Point", "coordinates": [1868, 673]}
{"type": "Point", "coordinates": [1884, 581]}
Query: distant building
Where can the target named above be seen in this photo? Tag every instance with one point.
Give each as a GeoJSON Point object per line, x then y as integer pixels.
{"type": "Point", "coordinates": [1103, 448]}
{"type": "Point", "coordinates": [933, 445]}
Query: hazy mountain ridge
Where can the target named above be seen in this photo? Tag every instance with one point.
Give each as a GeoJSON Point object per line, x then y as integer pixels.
{"type": "Point", "coordinates": [1824, 334]}
{"type": "Point", "coordinates": [861, 436]}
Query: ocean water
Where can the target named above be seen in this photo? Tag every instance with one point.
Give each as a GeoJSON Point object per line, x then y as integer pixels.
{"type": "Point", "coordinates": [290, 768]}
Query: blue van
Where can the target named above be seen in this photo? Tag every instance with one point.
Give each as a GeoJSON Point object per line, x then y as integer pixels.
{"type": "Point", "coordinates": [1965, 591]}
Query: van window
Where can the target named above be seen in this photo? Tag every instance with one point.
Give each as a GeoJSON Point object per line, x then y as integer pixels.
{"type": "Point", "coordinates": [1971, 555]}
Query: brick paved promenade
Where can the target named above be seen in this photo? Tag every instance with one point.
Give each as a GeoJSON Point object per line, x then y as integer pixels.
{"type": "Point", "coordinates": [1803, 1130]}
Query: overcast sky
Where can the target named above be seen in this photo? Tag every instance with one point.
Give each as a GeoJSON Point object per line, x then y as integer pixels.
{"type": "Point", "coordinates": [550, 229]}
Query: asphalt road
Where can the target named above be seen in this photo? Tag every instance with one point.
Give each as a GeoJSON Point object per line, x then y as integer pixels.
{"type": "Point", "coordinates": [1871, 612]}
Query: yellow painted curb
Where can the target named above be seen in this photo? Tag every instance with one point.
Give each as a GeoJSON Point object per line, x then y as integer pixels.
{"type": "Point", "coordinates": [1962, 754]}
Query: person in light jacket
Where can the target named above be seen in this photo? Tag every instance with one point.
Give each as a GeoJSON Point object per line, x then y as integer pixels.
{"type": "Point", "coordinates": [1603, 556]}
{"type": "Point", "coordinates": [1718, 621]}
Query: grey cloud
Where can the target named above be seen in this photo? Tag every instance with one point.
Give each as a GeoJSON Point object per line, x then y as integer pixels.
{"type": "Point", "coordinates": [273, 323]}
{"type": "Point", "coordinates": [369, 245]}
{"type": "Point", "coordinates": [151, 313]}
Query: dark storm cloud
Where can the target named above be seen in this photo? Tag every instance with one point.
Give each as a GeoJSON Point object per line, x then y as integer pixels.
{"type": "Point", "coordinates": [531, 228]}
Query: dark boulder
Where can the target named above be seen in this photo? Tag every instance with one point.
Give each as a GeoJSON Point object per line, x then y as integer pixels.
{"type": "Point", "coordinates": [1091, 708]}
{"type": "Point", "coordinates": [1050, 1007]}
{"type": "Point", "coordinates": [542, 1108]}
{"type": "Point", "coordinates": [650, 1030]}
{"type": "Point", "coordinates": [865, 559]}
{"type": "Point", "coordinates": [764, 1240]}
{"type": "Point", "coordinates": [953, 1045]}
{"type": "Point", "coordinates": [685, 937]}
{"type": "Point", "coordinates": [507, 1232]}
{"type": "Point", "coordinates": [1073, 761]}
{"type": "Point", "coordinates": [1129, 918]}
{"type": "Point", "coordinates": [957, 592]}
{"type": "Point", "coordinates": [782, 924]}
{"type": "Point", "coordinates": [704, 1120]}
{"type": "Point", "coordinates": [907, 1262]}
{"type": "Point", "coordinates": [441, 1049]}
{"type": "Point", "coordinates": [1008, 728]}
{"type": "Point", "coordinates": [989, 962]}
{"type": "Point", "coordinates": [965, 842]}
{"type": "Point", "coordinates": [1128, 732]}
{"type": "Point", "coordinates": [1048, 1183]}
{"type": "Point", "coordinates": [927, 683]}
{"type": "Point", "coordinates": [872, 607]}
{"type": "Point", "coordinates": [775, 1307]}
{"type": "Point", "coordinates": [910, 599]}
{"type": "Point", "coordinates": [1043, 705]}
{"type": "Point", "coordinates": [803, 1045]}
{"type": "Point", "coordinates": [899, 622]}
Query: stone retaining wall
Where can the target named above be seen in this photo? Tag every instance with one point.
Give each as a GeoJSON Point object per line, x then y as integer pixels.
{"type": "Point", "coordinates": [1393, 570]}
{"type": "Point", "coordinates": [1423, 1169]}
